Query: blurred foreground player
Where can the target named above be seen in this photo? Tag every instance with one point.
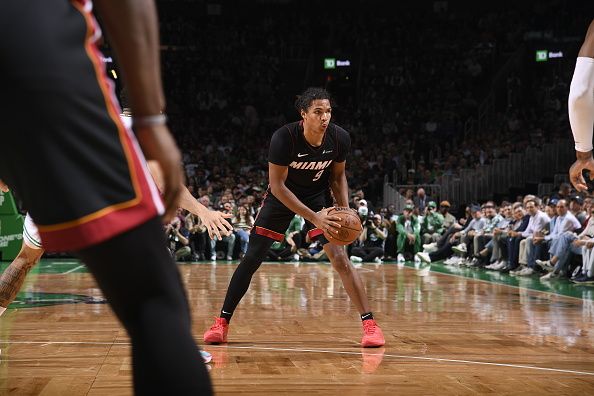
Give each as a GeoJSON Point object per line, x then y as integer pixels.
{"type": "Point", "coordinates": [581, 111]}
{"type": "Point", "coordinates": [306, 163]}
{"type": "Point", "coordinates": [81, 173]}
{"type": "Point", "coordinates": [31, 251]}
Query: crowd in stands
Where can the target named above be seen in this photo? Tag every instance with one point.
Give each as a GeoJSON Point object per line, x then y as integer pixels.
{"type": "Point", "coordinates": [551, 237]}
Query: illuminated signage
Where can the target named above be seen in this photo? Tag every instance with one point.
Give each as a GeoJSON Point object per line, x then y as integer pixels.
{"type": "Point", "coordinates": [545, 55]}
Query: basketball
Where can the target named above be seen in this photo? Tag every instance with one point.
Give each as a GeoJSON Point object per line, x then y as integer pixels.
{"type": "Point", "coordinates": [350, 229]}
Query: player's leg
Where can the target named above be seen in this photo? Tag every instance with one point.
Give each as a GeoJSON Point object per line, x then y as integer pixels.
{"type": "Point", "coordinates": [14, 275]}
{"type": "Point", "coordinates": [144, 288]}
{"type": "Point", "coordinates": [273, 220]}
{"type": "Point", "coordinates": [353, 285]}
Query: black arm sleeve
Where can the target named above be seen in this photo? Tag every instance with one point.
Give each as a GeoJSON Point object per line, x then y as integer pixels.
{"type": "Point", "coordinates": [281, 146]}
{"type": "Point", "coordinates": [344, 144]}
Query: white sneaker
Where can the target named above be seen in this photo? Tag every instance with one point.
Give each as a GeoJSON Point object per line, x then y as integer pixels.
{"type": "Point", "coordinates": [206, 357]}
{"type": "Point", "coordinates": [400, 259]}
{"type": "Point", "coordinates": [356, 259]}
{"type": "Point", "coordinates": [547, 276]}
{"type": "Point", "coordinates": [463, 262]}
{"type": "Point", "coordinates": [229, 258]}
{"type": "Point", "coordinates": [213, 257]}
{"type": "Point", "coordinates": [377, 260]}
{"type": "Point", "coordinates": [430, 247]}
{"type": "Point", "coordinates": [526, 272]}
{"type": "Point", "coordinates": [517, 270]}
{"type": "Point", "coordinates": [452, 260]}
{"type": "Point", "coordinates": [500, 265]}
{"type": "Point", "coordinates": [493, 265]}
{"type": "Point", "coordinates": [424, 257]}
{"type": "Point", "coordinates": [295, 257]}
{"type": "Point", "coordinates": [544, 263]}
{"type": "Point", "coordinates": [460, 249]}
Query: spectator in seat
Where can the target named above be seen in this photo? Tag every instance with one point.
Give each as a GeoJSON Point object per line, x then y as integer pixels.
{"type": "Point", "coordinates": [448, 219]}
{"type": "Point", "coordinates": [229, 239]}
{"type": "Point", "coordinates": [198, 236]}
{"type": "Point", "coordinates": [576, 207]}
{"type": "Point", "coordinates": [177, 235]}
{"type": "Point", "coordinates": [409, 234]}
{"type": "Point", "coordinates": [421, 200]}
{"type": "Point", "coordinates": [288, 248]}
{"type": "Point", "coordinates": [558, 241]}
{"type": "Point", "coordinates": [371, 241]}
{"type": "Point", "coordinates": [242, 224]}
{"type": "Point", "coordinates": [432, 227]}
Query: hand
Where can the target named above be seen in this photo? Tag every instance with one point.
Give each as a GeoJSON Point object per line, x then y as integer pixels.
{"type": "Point", "coordinates": [158, 144]}
{"type": "Point", "coordinates": [326, 222]}
{"type": "Point", "coordinates": [584, 162]}
{"type": "Point", "coordinates": [578, 242]}
{"type": "Point", "coordinates": [537, 240]}
{"type": "Point", "coordinates": [3, 187]}
{"type": "Point", "coordinates": [590, 245]}
{"type": "Point", "coordinates": [215, 224]}
{"type": "Point", "coordinates": [411, 238]}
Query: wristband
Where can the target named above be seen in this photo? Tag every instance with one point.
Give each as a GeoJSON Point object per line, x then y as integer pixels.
{"type": "Point", "coordinates": [146, 121]}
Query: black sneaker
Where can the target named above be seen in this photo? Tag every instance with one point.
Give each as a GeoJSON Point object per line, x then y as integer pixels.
{"type": "Point", "coordinates": [584, 280]}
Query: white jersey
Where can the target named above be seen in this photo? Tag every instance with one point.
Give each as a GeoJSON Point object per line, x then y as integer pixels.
{"type": "Point", "coordinates": [31, 234]}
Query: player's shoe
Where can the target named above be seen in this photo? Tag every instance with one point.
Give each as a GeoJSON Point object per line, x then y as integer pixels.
{"type": "Point", "coordinates": [206, 357]}
{"type": "Point", "coordinates": [372, 335]}
{"type": "Point", "coordinates": [217, 334]}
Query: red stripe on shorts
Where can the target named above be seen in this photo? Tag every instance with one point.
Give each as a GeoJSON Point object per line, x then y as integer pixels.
{"type": "Point", "coordinates": [269, 234]}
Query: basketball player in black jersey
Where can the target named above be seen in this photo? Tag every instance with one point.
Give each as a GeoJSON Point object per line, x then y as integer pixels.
{"type": "Point", "coordinates": [306, 164]}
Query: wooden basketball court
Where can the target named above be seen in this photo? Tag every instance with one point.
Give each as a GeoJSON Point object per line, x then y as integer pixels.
{"type": "Point", "coordinates": [449, 331]}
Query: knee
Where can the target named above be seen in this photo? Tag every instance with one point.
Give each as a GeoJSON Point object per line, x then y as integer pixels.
{"type": "Point", "coordinates": [341, 263]}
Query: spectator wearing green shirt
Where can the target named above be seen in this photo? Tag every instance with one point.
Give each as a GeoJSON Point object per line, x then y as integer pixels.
{"type": "Point", "coordinates": [287, 248]}
{"type": "Point", "coordinates": [432, 227]}
{"type": "Point", "coordinates": [409, 234]}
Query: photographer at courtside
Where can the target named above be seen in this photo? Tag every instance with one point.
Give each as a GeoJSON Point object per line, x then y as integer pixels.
{"type": "Point", "coordinates": [178, 239]}
{"type": "Point", "coordinates": [371, 241]}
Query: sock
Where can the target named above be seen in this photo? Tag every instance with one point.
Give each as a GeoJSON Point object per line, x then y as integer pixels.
{"type": "Point", "coordinates": [226, 315]}
{"type": "Point", "coordinates": [2, 309]}
{"type": "Point", "coordinates": [366, 316]}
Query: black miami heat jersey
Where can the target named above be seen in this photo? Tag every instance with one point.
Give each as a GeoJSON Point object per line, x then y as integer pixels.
{"type": "Point", "coordinates": [309, 166]}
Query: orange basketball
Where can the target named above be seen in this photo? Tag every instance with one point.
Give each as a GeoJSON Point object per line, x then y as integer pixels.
{"type": "Point", "coordinates": [350, 229]}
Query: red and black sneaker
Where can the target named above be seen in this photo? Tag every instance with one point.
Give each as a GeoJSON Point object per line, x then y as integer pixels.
{"type": "Point", "coordinates": [217, 334]}
{"type": "Point", "coordinates": [372, 335]}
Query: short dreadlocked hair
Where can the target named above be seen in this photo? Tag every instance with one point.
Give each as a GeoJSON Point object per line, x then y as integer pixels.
{"type": "Point", "coordinates": [304, 100]}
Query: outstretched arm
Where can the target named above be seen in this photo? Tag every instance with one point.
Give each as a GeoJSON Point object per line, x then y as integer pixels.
{"type": "Point", "coordinates": [581, 111]}
{"type": "Point", "coordinates": [214, 221]}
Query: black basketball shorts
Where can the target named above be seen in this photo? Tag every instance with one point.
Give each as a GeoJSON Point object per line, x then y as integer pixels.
{"type": "Point", "coordinates": [64, 149]}
{"type": "Point", "coordinates": [274, 217]}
